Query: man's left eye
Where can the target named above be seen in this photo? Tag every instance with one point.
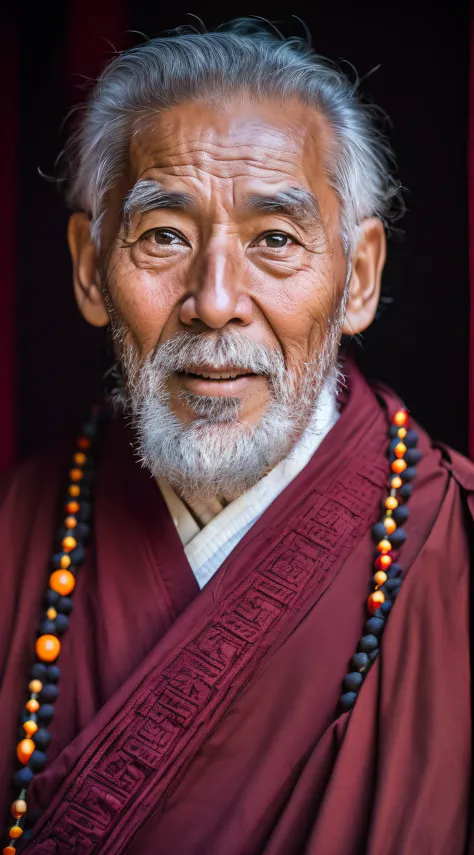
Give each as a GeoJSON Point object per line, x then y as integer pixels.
{"type": "Point", "coordinates": [275, 240]}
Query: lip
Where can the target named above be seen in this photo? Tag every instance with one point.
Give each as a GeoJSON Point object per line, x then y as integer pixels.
{"type": "Point", "coordinates": [199, 385]}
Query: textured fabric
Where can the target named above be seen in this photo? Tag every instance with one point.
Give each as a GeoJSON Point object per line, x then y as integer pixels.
{"type": "Point", "coordinates": [208, 545]}
{"type": "Point", "coordinates": [206, 722]}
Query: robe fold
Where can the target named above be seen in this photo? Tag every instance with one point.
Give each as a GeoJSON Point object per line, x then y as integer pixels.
{"type": "Point", "coordinates": [206, 722]}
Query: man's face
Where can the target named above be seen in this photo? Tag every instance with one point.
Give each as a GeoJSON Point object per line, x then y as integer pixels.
{"type": "Point", "coordinates": [222, 259]}
{"type": "Point", "coordinates": [224, 228]}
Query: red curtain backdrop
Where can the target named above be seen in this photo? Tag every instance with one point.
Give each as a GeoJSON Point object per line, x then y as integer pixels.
{"type": "Point", "coordinates": [9, 75]}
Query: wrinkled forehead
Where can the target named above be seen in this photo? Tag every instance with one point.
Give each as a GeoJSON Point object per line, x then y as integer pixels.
{"type": "Point", "coordinates": [270, 143]}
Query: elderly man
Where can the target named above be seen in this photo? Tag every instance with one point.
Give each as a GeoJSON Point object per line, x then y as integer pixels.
{"type": "Point", "coordinates": [235, 613]}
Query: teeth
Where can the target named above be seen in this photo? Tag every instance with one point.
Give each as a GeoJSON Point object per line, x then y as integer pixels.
{"type": "Point", "coordinates": [214, 376]}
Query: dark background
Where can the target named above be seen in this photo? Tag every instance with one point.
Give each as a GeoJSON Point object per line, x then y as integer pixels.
{"type": "Point", "coordinates": [420, 343]}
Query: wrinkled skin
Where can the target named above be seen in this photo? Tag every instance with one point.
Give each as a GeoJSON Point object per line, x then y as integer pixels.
{"type": "Point", "coordinates": [274, 277]}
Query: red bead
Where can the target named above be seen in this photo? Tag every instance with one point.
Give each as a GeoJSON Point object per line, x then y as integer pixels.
{"type": "Point", "coordinates": [83, 443]}
{"type": "Point", "coordinates": [400, 418]}
{"type": "Point", "coordinates": [72, 507]}
{"type": "Point", "coordinates": [383, 562]}
{"type": "Point", "coordinates": [375, 601]}
{"type": "Point", "coordinates": [399, 466]}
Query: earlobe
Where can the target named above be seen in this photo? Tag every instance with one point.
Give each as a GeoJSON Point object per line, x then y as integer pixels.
{"type": "Point", "coordinates": [364, 286]}
{"type": "Point", "coordinates": [86, 271]}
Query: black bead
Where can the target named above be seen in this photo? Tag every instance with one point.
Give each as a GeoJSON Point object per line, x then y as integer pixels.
{"type": "Point", "coordinates": [77, 555]}
{"type": "Point", "coordinates": [53, 674]}
{"type": "Point", "coordinates": [398, 537]}
{"type": "Point", "coordinates": [61, 623]}
{"type": "Point", "coordinates": [81, 532]}
{"type": "Point", "coordinates": [406, 490]}
{"type": "Point", "coordinates": [45, 713]}
{"type": "Point", "coordinates": [38, 671]}
{"type": "Point", "coordinates": [394, 571]}
{"type": "Point", "coordinates": [359, 661]}
{"type": "Point", "coordinates": [88, 477]}
{"type": "Point", "coordinates": [348, 700]}
{"type": "Point", "coordinates": [37, 761]}
{"type": "Point", "coordinates": [42, 738]}
{"type": "Point", "coordinates": [412, 456]}
{"type": "Point", "coordinates": [56, 559]}
{"type": "Point", "coordinates": [47, 627]}
{"type": "Point", "coordinates": [84, 511]}
{"type": "Point", "coordinates": [393, 585]}
{"type": "Point", "coordinates": [49, 693]}
{"type": "Point", "coordinates": [51, 597]}
{"type": "Point", "coordinates": [373, 655]}
{"type": "Point", "coordinates": [400, 514]}
{"type": "Point", "coordinates": [368, 643]}
{"type": "Point", "coordinates": [64, 605]}
{"type": "Point", "coordinates": [379, 532]}
{"type": "Point", "coordinates": [393, 431]}
{"type": "Point", "coordinates": [353, 681]}
{"type": "Point", "coordinates": [411, 439]}
{"type": "Point", "coordinates": [408, 475]}
{"type": "Point", "coordinates": [391, 448]}
{"type": "Point", "coordinates": [374, 626]}
{"type": "Point", "coordinates": [23, 778]}
{"type": "Point", "coordinates": [27, 834]}
{"type": "Point", "coordinates": [385, 607]}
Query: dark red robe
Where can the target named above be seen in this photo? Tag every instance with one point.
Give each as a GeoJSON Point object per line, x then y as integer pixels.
{"type": "Point", "coordinates": [206, 723]}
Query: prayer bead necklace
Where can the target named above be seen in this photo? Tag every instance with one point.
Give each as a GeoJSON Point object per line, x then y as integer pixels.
{"type": "Point", "coordinates": [389, 536]}
{"type": "Point", "coordinates": [73, 535]}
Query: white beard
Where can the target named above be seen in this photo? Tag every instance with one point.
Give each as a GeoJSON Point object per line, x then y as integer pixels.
{"type": "Point", "coordinates": [216, 454]}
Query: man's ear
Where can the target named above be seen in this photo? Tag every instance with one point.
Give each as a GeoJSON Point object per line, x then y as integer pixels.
{"type": "Point", "coordinates": [364, 286]}
{"type": "Point", "coordinates": [86, 271]}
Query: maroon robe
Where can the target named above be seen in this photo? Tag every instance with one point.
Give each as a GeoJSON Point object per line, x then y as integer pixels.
{"type": "Point", "coordinates": [206, 723]}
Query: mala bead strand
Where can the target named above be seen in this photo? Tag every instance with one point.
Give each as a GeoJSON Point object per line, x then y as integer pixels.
{"type": "Point", "coordinates": [389, 536]}
{"type": "Point", "coordinates": [44, 675]}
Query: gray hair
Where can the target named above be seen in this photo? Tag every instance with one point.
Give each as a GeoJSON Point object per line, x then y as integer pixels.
{"type": "Point", "coordinates": [242, 56]}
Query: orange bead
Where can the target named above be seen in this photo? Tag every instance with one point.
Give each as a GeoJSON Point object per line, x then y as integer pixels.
{"type": "Point", "coordinates": [15, 831]}
{"type": "Point", "coordinates": [380, 577]}
{"type": "Point", "coordinates": [35, 686]}
{"type": "Point", "coordinates": [400, 418]}
{"type": "Point", "coordinates": [400, 449]}
{"type": "Point", "coordinates": [69, 543]}
{"type": "Point", "coordinates": [62, 581]}
{"type": "Point", "coordinates": [72, 507]}
{"type": "Point", "coordinates": [383, 562]}
{"type": "Point", "coordinates": [396, 482]}
{"type": "Point", "coordinates": [391, 503]}
{"type": "Point", "coordinates": [80, 458]}
{"type": "Point", "coordinates": [19, 808]}
{"type": "Point", "coordinates": [51, 614]}
{"type": "Point", "coordinates": [384, 546]}
{"type": "Point", "coordinates": [84, 443]}
{"type": "Point", "coordinates": [76, 474]}
{"type": "Point", "coordinates": [402, 433]}
{"type": "Point", "coordinates": [24, 750]}
{"type": "Point", "coordinates": [74, 490]}
{"type": "Point", "coordinates": [399, 466]}
{"type": "Point", "coordinates": [47, 649]}
{"type": "Point", "coordinates": [70, 522]}
{"type": "Point", "coordinates": [32, 705]}
{"type": "Point", "coordinates": [390, 525]}
{"type": "Point", "coordinates": [9, 850]}
{"type": "Point", "coordinates": [65, 561]}
{"type": "Point", "coordinates": [375, 601]}
{"type": "Point", "coordinates": [30, 727]}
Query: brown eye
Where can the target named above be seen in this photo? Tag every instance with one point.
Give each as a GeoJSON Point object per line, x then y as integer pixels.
{"type": "Point", "coordinates": [166, 237]}
{"type": "Point", "coordinates": [276, 241]}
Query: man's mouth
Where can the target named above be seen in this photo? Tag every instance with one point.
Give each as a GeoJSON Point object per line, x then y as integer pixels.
{"type": "Point", "coordinates": [226, 373]}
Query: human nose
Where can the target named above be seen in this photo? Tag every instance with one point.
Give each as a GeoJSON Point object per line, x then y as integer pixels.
{"type": "Point", "coordinates": [218, 296]}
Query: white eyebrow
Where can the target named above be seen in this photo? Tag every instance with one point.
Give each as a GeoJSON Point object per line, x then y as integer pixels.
{"type": "Point", "coordinates": [148, 195]}
{"type": "Point", "coordinates": [296, 202]}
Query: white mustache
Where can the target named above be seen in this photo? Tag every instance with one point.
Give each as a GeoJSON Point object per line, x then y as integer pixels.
{"type": "Point", "coordinates": [186, 350]}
